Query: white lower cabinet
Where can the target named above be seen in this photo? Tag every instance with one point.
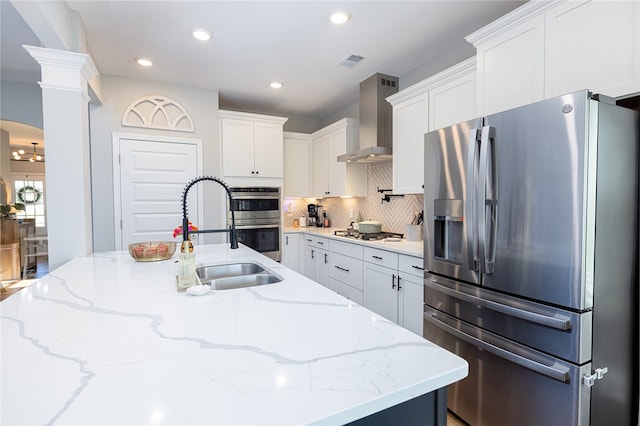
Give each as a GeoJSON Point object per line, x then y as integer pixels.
{"type": "Point", "coordinates": [411, 302]}
{"type": "Point", "coordinates": [381, 290]}
{"type": "Point", "coordinates": [322, 262]}
{"type": "Point", "coordinates": [345, 270]}
{"type": "Point", "coordinates": [386, 282]}
{"type": "Point", "coordinates": [291, 251]}
{"type": "Point", "coordinates": [309, 254]}
{"type": "Point", "coordinates": [315, 259]}
{"type": "Point", "coordinates": [392, 288]}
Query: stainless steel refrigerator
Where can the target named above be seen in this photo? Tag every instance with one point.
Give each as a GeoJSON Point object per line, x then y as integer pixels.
{"type": "Point", "coordinates": [531, 256]}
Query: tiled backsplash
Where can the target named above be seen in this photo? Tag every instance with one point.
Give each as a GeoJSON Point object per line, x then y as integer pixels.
{"type": "Point", "coordinates": [394, 214]}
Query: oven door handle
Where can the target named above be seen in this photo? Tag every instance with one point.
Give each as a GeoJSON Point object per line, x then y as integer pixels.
{"type": "Point", "coordinates": [560, 374]}
{"type": "Point", "coordinates": [249, 196]}
{"type": "Point", "coordinates": [257, 226]}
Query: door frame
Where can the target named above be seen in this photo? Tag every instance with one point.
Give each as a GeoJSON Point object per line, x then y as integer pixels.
{"type": "Point", "coordinates": [117, 137]}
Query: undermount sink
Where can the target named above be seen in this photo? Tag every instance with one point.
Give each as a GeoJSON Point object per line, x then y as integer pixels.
{"type": "Point", "coordinates": [235, 275]}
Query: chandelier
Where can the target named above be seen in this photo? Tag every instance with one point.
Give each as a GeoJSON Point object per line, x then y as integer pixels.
{"type": "Point", "coordinates": [21, 155]}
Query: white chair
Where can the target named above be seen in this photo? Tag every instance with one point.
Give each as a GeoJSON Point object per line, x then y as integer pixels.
{"type": "Point", "coordinates": [41, 245]}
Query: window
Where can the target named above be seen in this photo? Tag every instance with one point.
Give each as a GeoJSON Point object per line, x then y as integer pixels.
{"type": "Point", "coordinates": [31, 194]}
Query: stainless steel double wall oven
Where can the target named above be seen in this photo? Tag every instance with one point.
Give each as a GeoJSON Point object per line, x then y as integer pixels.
{"type": "Point", "coordinates": [258, 220]}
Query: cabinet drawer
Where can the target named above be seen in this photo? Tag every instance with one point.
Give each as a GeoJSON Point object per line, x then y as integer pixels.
{"type": "Point", "coordinates": [346, 249]}
{"type": "Point", "coordinates": [411, 265]}
{"type": "Point", "coordinates": [322, 242]}
{"type": "Point", "coordinates": [309, 240]}
{"type": "Point", "coordinates": [381, 257]}
{"type": "Point", "coordinates": [346, 269]}
{"type": "Point", "coordinates": [347, 291]}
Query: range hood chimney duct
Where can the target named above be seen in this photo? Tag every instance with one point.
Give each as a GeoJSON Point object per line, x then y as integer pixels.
{"type": "Point", "coordinates": [376, 118]}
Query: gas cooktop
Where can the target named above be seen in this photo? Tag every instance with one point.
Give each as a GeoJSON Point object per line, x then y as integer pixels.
{"type": "Point", "coordinates": [349, 233]}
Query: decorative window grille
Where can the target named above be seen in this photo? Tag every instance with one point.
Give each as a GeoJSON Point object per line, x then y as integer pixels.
{"type": "Point", "coordinates": [158, 112]}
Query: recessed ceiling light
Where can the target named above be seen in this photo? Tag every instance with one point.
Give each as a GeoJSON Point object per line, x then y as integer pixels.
{"type": "Point", "coordinates": [340, 18]}
{"type": "Point", "coordinates": [145, 62]}
{"type": "Point", "coordinates": [275, 85]}
{"type": "Point", "coordinates": [202, 34]}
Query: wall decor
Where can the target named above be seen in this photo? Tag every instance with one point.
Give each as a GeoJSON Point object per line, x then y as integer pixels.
{"type": "Point", "coordinates": [158, 112]}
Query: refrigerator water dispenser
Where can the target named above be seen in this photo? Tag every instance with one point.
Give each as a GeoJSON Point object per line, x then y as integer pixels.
{"type": "Point", "coordinates": [448, 230]}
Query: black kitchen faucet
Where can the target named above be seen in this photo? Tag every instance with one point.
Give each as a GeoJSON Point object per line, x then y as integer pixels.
{"type": "Point", "coordinates": [185, 221]}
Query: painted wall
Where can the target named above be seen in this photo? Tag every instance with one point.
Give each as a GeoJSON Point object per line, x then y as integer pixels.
{"type": "Point", "coordinates": [21, 102]}
{"type": "Point", "coordinates": [117, 94]}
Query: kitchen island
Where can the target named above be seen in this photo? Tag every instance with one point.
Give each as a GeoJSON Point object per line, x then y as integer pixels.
{"type": "Point", "coordinates": [104, 340]}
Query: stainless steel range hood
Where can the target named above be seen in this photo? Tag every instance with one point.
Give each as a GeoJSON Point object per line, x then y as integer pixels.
{"type": "Point", "coordinates": [376, 117]}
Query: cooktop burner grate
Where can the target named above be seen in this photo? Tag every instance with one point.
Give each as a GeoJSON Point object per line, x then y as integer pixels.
{"type": "Point", "coordinates": [367, 235]}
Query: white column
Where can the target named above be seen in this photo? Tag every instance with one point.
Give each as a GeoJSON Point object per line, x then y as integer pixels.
{"type": "Point", "coordinates": [65, 104]}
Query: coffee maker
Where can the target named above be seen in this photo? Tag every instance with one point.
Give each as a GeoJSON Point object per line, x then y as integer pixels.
{"type": "Point", "coordinates": [313, 211]}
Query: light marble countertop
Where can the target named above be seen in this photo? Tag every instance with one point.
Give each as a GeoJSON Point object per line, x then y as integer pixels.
{"type": "Point", "coordinates": [411, 248]}
{"type": "Point", "coordinates": [104, 340]}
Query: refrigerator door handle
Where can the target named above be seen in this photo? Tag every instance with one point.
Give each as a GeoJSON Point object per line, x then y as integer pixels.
{"type": "Point", "coordinates": [561, 375]}
{"type": "Point", "coordinates": [470, 205]}
{"type": "Point", "coordinates": [558, 323]}
{"type": "Point", "coordinates": [487, 185]}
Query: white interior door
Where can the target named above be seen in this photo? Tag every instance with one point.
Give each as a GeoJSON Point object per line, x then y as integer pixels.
{"type": "Point", "coordinates": [152, 174]}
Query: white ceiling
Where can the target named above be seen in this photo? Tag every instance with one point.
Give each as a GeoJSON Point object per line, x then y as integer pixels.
{"type": "Point", "coordinates": [255, 42]}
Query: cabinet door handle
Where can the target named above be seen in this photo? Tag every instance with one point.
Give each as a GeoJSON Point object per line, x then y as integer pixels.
{"type": "Point", "coordinates": [399, 287]}
{"type": "Point", "coordinates": [393, 281]}
{"type": "Point", "coordinates": [312, 254]}
{"type": "Point", "coordinates": [252, 172]}
{"type": "Point", "coordinates": [257, 172]}
{"type": "Point", "coordinates": [342, 269]}
{"type": "Point", "coordinates": [377, 257]}
{"type": "Point", "coordinates": [325, 258]}
{"type": "Point", "coordinates": [287, 240]}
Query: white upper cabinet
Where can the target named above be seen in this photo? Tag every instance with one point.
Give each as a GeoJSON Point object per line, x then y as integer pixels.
{"type": "Point", "coordinates": [510, 66]}
{"type": "Point", "coordinates": [252, 145]}
{"type": "Point", "coordinates": [331, 178]}
{"type": "Point", "coordinates": [545, 49]}
{"type": "Point", "coordinates": [453, 99]}
{"type": "Point", "coordinates": [410, 123]}
{"type": "Point", "coordinates": [593, 45]}
{"type": "Point", "coordinates": [320, 166]}
{"type": "Point", "coordinates": [297, 164]}
{"type": "Point", "coordinates": [439, 101]}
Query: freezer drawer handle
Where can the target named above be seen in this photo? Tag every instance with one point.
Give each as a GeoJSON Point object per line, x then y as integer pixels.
{"type": "Point", "coordinates": [590, 379]}
{"type": "Point", "coordinates": [554, 373]}
{"type": "Point", "coordinates": [558, 323]}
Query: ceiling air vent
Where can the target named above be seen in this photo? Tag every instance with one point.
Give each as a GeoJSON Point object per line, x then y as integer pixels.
{"type": "Point", "coordinates": [351, 60]}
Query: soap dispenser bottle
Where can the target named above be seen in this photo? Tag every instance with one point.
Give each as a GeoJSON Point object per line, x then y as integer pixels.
{"type": "Point", "coordinates": [186, 266]}
{"type": "Point", "coordinates": [325, 221]}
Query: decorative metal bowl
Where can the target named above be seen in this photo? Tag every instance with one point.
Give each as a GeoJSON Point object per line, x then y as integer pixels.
{"type": "Point", "coordinates": [152, 251]}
